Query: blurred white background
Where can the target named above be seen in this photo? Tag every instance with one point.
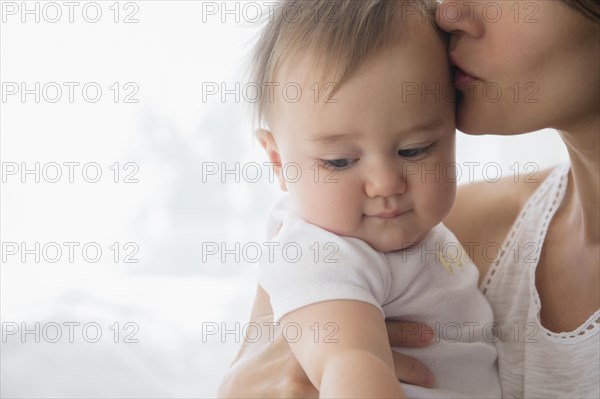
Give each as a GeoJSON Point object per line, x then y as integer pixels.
{"type": "Point", "coordinates": [164, 139]}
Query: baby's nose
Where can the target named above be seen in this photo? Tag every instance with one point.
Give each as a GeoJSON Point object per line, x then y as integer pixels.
{"type": "Point", "coordinates": [385, 182]}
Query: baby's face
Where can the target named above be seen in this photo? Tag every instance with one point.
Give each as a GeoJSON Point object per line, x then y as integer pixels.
{"type": "Point", "coordinates": [378, 162]}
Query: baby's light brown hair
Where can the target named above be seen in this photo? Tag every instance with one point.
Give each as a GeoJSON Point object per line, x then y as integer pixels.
{"type": "Point", "coordinates": [337, 36]}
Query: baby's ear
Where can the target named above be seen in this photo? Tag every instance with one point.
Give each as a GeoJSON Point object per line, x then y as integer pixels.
{"type": "Point", "coordinates": [267, 141]}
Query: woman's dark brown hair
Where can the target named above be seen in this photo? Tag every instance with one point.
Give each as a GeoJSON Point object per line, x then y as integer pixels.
{"type": "Point", "coordinates": [589, 8]}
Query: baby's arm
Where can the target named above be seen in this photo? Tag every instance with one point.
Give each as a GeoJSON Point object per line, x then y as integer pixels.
{"type": "Point", "coordinates": [358, 363]}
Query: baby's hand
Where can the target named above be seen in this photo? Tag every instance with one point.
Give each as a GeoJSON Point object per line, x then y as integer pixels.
{"type": "Point", "coordinates": [410, 335]}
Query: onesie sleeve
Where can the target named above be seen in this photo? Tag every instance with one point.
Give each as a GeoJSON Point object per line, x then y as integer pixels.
{"type": "Point", "coordinates": [308, 264]}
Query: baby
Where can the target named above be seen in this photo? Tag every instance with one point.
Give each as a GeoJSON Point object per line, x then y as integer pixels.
{"type": "Point", "coordinates": [361, 135]}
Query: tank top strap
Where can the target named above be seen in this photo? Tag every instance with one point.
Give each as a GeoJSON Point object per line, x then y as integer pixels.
{"type": "Point", "coordinates": [529, 229]}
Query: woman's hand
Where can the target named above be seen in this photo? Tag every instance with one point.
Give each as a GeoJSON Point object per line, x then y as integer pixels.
{"type": "Point", "coordinates": [268, 368]}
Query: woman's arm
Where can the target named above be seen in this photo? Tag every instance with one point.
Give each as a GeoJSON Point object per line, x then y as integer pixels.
{"type": "Point", "coordinates": [343, 347]}
{"type": "Point", "coordinates": [268, 368]}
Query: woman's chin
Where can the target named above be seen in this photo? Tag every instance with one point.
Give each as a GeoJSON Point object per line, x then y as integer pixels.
{"type": "Point", "coordinates": [479, 120]}
{"type": "Point", "coordinates": [477, 127]}
{"type": "Point", "coordinates": [475, 123]}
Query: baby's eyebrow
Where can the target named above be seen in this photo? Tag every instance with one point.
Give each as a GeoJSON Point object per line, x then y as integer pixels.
{"type": "Point", "coordinates": [427, 126]}
{"type": "Point", "coordinates": [331, 138]}
{"type": "Point", "coordinates": [326, 138]}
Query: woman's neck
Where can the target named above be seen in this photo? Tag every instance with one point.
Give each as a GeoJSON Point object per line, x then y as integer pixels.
{"type": "Point", "coordinates": [581, 206]}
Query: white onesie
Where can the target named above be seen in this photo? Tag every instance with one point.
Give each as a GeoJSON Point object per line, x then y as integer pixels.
{"type": "Point", "coordinates": [433, 282]}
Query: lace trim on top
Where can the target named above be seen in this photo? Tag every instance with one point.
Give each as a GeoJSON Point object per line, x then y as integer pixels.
{"type": "Point", "coordinates": [592, 324]}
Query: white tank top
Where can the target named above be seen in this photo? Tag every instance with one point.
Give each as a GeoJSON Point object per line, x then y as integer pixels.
{"type": "Point", "coordinates": [533, 361]}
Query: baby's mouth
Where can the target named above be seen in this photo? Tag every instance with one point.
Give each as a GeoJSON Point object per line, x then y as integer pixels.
{"type": "Point", "coordinates": [390, 214]}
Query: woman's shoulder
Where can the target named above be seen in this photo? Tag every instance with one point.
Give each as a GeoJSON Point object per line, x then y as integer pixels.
{"type": "Point", "coordinates": [484, 212]}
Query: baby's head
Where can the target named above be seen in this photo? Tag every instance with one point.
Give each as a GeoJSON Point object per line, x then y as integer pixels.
{"type": "Point", "coordinates": [358, 116]}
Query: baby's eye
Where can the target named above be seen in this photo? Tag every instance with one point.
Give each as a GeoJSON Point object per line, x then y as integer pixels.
{"type": "Point", "coordinates": [414, 152]}
{"type": "Point", "coordinates": [338, 164]}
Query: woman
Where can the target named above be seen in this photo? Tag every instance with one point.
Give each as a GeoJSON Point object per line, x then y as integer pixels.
{"type": "Point", "coordinates": [544, 285]}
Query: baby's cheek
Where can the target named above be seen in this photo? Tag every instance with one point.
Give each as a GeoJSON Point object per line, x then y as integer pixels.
{"type": "Point", "coordinates": [443, 197]}
{"type": "Point", "coordinates": [326, 205]}
{"type": "Point", "coordinates": [435, 200]}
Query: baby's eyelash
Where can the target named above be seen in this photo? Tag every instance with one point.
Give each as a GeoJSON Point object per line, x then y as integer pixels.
{"type": "Point", "coordinates": [345, 163]}
{"type": "Point", "coordinates": [338, 164]}
{"type": "Point", "coordinates": [415, 152]}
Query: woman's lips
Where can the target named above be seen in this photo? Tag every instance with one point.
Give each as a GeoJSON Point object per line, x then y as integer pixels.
{"type": "Point", "coordinates": [462, 80]}
{"type": "Point", "coordinates": [462, 77]}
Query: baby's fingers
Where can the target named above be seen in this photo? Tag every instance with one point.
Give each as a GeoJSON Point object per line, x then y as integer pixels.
{"type": "Point", "coordinates": [412, 371]}
{"type": "Point", "coordinates": [409, 335]}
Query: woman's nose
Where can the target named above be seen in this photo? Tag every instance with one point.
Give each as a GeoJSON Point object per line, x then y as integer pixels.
{"type": "Point", "coordinates": [385, 181]}
{"type": "Point", "coordinates": [457, 16]}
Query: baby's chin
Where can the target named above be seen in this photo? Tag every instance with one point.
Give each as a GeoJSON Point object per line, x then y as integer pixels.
{"type": "Point", "coordinates": [386, 241]}
{"type": "Point", "coordinates": [391, 244]}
